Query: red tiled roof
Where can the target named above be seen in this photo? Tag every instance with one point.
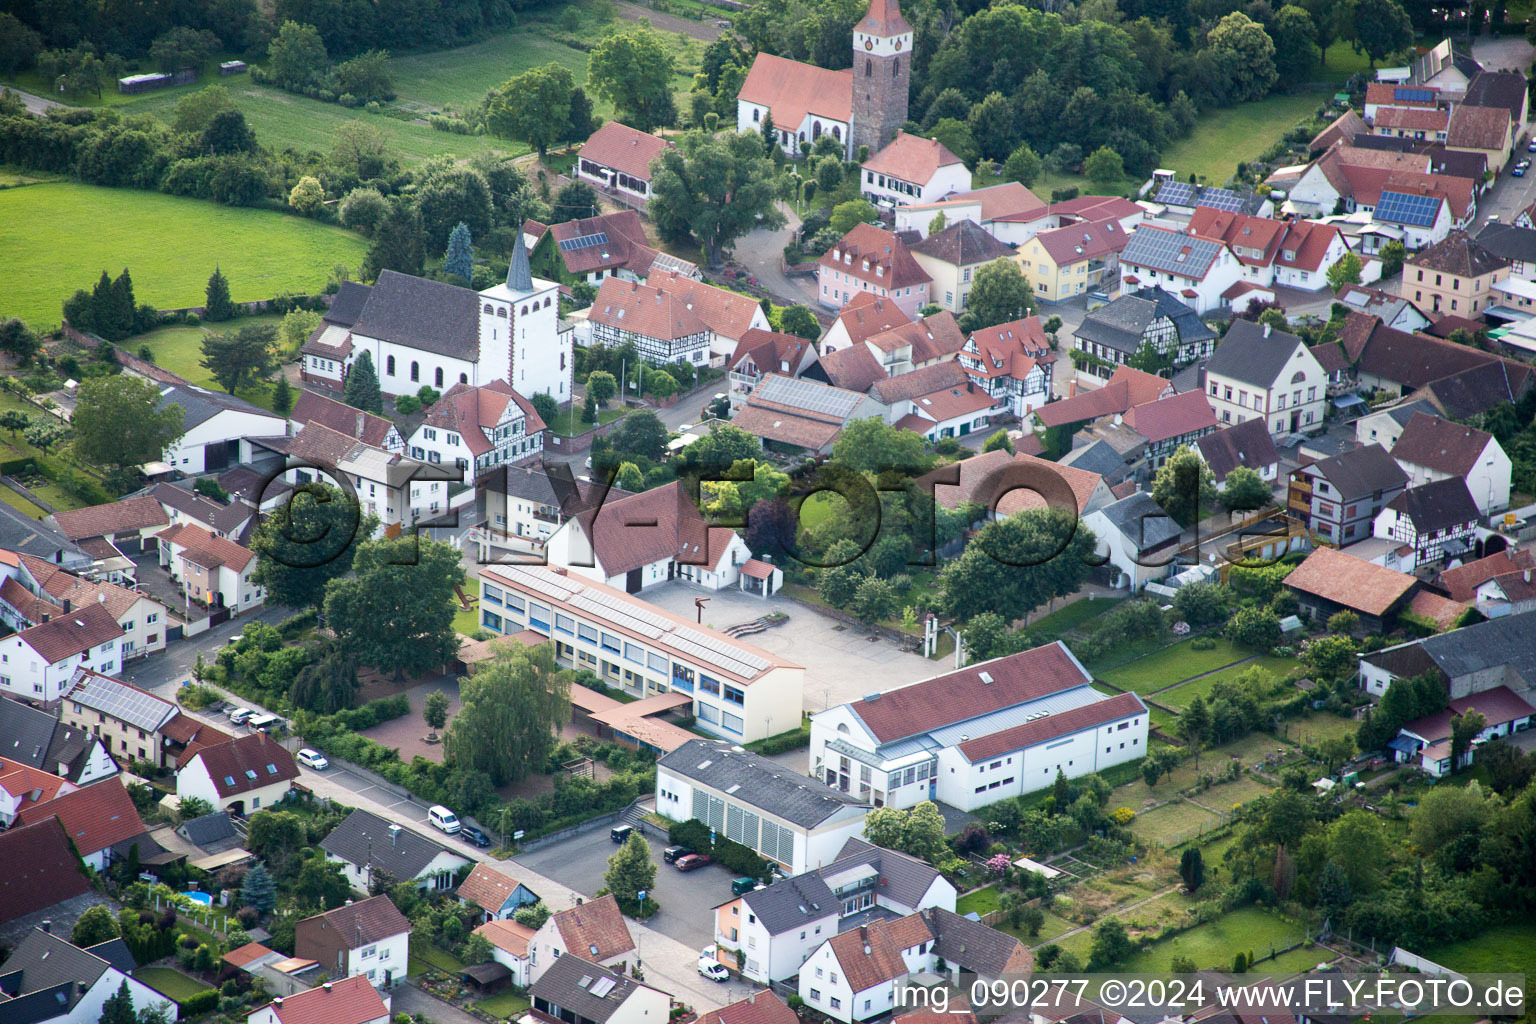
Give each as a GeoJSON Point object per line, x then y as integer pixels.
{"type": "Point", "coordinates": [791, 90]}
{"type": "Point", "coordinates": [758, 1008]}
{"type": "Point", "coordinates": [248, 953]}
{"type": "Point", "coordinates": [623, 148]}
{"type": "Point", "coordinates": [314, 407]}
{"type": "Point", "coordinates": [950, 403]}
{"type": "Point", "coordinates": [1462, 581]}
{"type": "Point", "coordinates": [771, 350]}
{"type": "Point", "coordinates": [596, 929]}
{"type": "Point", "coordinates": [508, 936]}
{"type": "Point", "coordinates": [66, 586]}
{"type": "Point", "coordinates": [1240, 231]}
{"type": "Point", "coordinates": [1309, 242]}
{"type": "Point", "coordinates": [22, 781]}
{"type": "Point", "coordinates": [349, 1001]}
{"type": "Point", "coordinates": [911, 158]}
{"type": "Point", "coordinates": [626, 247]}
{"type": "Point", "coordinates": [27, 604]}
{"type": "Point", "coordinates": [867, 247]}
{"type": "Point", "coordinates": [115, 517]}
{"type": "Point", "coordinates": [1009, 202]}
{"type": "Point", "coordinates": [473, 412]}
{"type": "Point", "coordinates": [931, 338]}
{"type": "Point", "coordinates": [653, 526]}
{"type": "Point", "coordinates": [1009, 350]}
{"type": "Point", "coordinates": [1349, 581]}
{"type": "Point", "coordinates": [1084, 240]}
{"type": "Point", "coordinates": [869, 955]}
{"type": "Point", "coordinates": [883, 19]}
{"type": "Point", "coordinates": [644, 310]}
{"type": "Point", "coordinates": [1127, 387]}
{"type": "Point", "coordinates": [96, 817]}
{"type": "Point", "coordinates": [1442, 611]}
{"type": "Point", "coordinates": [1420, 119]}
{"type": "Point", "coordinates": [41, 869]}
{"type": "Point", "coordinates": [203, 548]}
{"type": "Point", "coordinates": [1385, 94]}
{"type": "Point", "coordinates": [854, 368]}
{"type": "Point", "coordinates": [1096, 208]}
{"type": "Point", "coordinates": [729, 314]}
{"type": "Point", "coordinates": [1122, 705]}
{"type": "Point", "coordinates": [758, 570]}
{"type": "Point", "coordinates": [229, 764]}
{"type": "Point", "coordinates": [1172, 417]}
{"type": "Point", "coordinates": [67, 635]}
{"type": "Point", "coordinates": [1478, 128]}
{"type": "Point", "coordinates": [867, 314]}
{"type": "Point", "coordinates": [962, 694]}
{"type": "Point", "coordinates": [1346, 126]}
{"type": "Point", "coordinates": [488, 888]}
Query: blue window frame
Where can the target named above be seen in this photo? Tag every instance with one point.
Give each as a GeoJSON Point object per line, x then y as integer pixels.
{"type": "Point", "coordinates": [634, 653]}
{"type": "Point", "coordinates": [610, 643]}
{"type": "Point", "coordinates": [514, 603]}
{"type": "Point", "coordinates": [565, 624]}
{"type": "Point", "coordinates": [490, 619]}
{"type": "Point", "coordinates": [730, 722]}
{"type": "Point", "coordinates": [709, 684]}
{"type": "Point", "coordinates": [490, 594]}
{"type": "Point", "coordinates": [538, 617]}
{"type": "Point", "coordinates": [735, 696]}
{"type": "Point", "coordinates": [708, 714]}
{"type": "Point", "coordinates": [658, 663]}
{"type": "Point", "coordinates": [587, 633]}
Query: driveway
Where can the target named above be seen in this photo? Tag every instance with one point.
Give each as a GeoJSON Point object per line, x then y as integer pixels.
{"type": "Point", "coordinates": [38, 105]}
{"type": "Point", "coordinates": [762, 253]}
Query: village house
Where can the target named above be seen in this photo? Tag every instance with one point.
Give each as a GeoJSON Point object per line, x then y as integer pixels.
{"type": "Point", "coordinates": [241, 776]}
{"type": "Point", "coordinates": [1339, 497]}
{"type": "Point", "coordinates": [520, 506]}
{"type": "Point", "coordinates": [1455, 276]}
{"type": "Point", "coordinates": [861, 318]}
{"type": "Point", "coordinates": [1437, 520]}
{"type": "Point", "coordinates": [1427, 740]}
{"type": "Point", "coordinates": [664, 328]}
{"type": "Point", "coordinates": [99, 819]}
{"type": "Point", "coordinates": [1330, 581]}
{"type": "Point", "coordinates": [912, 169]}
{"type": "Point", "coordinates": [1074, 259]}
{"type": "Point", "coordinates": [1012, 362]}
{"type": "Point", "coordinates": [617, 159]}
{"type": "Point", "coordinates": [1246, 444]}
{"type": "Point", "coordinates": [1470, 660]}
{"type": "Point", "coordinates": [1169, 424]}
{"type": "Point", "coordinates": [476, 428]}
{"type": "Point", "coordinates": [22, 786]}
{"type": "Point", "coordinates": [498, 895]}
{"type": "Point", "coordinates": [581, 991]}
{"type": "Point", "coordinates": [33, 588]}
{"type": "Point", "coordinates": [49, 980]}
{"type": "Point", "coordinates": [1151, 319]}
{"type": "Point", "coordinates": [364, 937]}
{"type": "Point", "coordinates": [1483, 130]}
{"type": "Point", "coordinates": [349, 1001]}
{"type": "Point", "coordinates": [593, 931]}
{"type": "Point", "coordinates": [872, 259]}
{"type": "Point", "coordinates": [215, 426]}
{"type": "Point", "coordinates": [235, 518]}
{"type": "Point", "coordinates": [760, 352]}
{"type": "Point", "coordinates": [728, 315]}
{"type": "Point", "coordinates": [952, 257]}
{"type": "Point", "coordinates": [510, 944]}
{"type": "Point", "coordinates": [592, 249]}
{"type": "Point", "coordinates": [130, 722]}
{"type": "Point", "coordinates": [364, 843]}
{"type": "Point", "coordinates": [1431, 448]}
{"type": "Point", "coordinates": [1009, 212]}
{"type": "Point", "coordinates": [1510, 593]}
{"type": "Point", "coordinates": [124, 525]}
{"type": "Point", "coordinates": [39, 662]}
{"type": "Point", "coordinates": [379, 431]}
{"type": "Point", "coordinates": [213, 571]}
{"type": "Point", "coordinates": [45, 870]}
{"type": "Point", "coordinates": [1258, 372]}
{"type": "Point", "coordinates": [1003, 483]}
{"type": "Point", "coordinates": [1200, 271]}
{"type": "Point", "coordinates": [1137, 536]}
{"type": "Point", "coordinates": [37, 739]}
{"type": "Point", "coordinates": [806, 414]}
{"type": "Point", "coordinates": [1183, 199]}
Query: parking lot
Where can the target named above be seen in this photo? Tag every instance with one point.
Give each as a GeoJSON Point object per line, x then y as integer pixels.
{"type": "Point", "coordinates": [687, 899]}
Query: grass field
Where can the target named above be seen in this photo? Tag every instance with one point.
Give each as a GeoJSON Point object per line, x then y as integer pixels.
{"type": "Point", "coordinates": [1213, 944]}
{"type": "Point", "coordinates": [570, 423]}
{"type": "Point", "coordinates": [170, 982]}
{"type": "Point", "coordinates": [170, 245]}
{"type": "Point", "coordinates": [981, 901]}
{"type": "Point", "coordinates": [1319, 726]}
{"type": "Point", "coordinates": [1223, 137]}
{"type": "Point", "coordinates": [466, 621]}
{"type": "Point", "coordinates": [180, 350]}
{"type": "Point", "coordinates": [1074, 614]}
{"type": "Point", "coordinates": [1166, 823]}
{"type": "Point", "coordinates": [1508, 948]}
{"type": "Point", "coordinates": [1228, 795]}
{"type": "Point", "coordinates": [504, 1005]}
{"type": "Point", "coordinates": [1341, 61]}
{"type": "Point", "coordinates": [1171, 665]}
{"type": "Point", "coordinates": [1182, 695]}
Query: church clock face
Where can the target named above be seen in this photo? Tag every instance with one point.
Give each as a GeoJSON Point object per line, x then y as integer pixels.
{"type": "Point", "coordinates": [898, 44]}
{"type": "Point", "coordinates": [869, 44]}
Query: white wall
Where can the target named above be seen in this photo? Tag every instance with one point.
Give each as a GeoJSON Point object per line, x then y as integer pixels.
{"type": "Point", "coordinates": [390, 955]}
{"type": "Point", "coordinates": [194, 780]}
{"type": "Point", "coordinates": [1488, 482]}
{"type": "Point", "coordinates": [228, 425]}
{"type": "Point", "coordinates": [25, 673]}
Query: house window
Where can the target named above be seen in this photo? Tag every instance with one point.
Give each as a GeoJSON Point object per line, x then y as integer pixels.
{"type": "Point", "coordinates": [389, 366]}
{"type": "Point", "coordinates": [415, 372]}
{"type": "Point", "coordinates": [439, 377]}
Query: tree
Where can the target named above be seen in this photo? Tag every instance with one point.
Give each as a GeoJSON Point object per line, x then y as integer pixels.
{"type": "Point", "coordinates": [575, 200]}
{"type": "Point", "coordinates": [363, 210]}
{"type": "Point", "coordinates": [511, 714]}
{"type": "Point", "coordinates": [829, 173]}
{"type": "Point", "coordinates": [1394, 254]}
{"type": "Point", "coordinates": [19, 341]}
{"type": "Point", "coordinates": [800, 321]}
{"type": "Point", "coordinates": [1345, 271]}
{"type": "Point", "coordinates": [181, 47]}
{"type": "Point", "coordinates": [601, 386]}
{"type": "Point", "coordinates": [217, 305]}
{"type": "Point", "coordinates": [1022, 166]}
{"type": "Point", "coordinates": [296, 56]}
{"type": "Point", "coordinates": [1295, 37]}
{"type": "Point", "coordinates": [629, 478]}
{"type": "Point", "coordinates": [999, 441]}
{"type": "Point", "coordinates": [631, 872]}
{"type": "Point", "coordinates": [1330, 657]}
{"type": "Point", "coordinates": [715, 189]}
{"type": "Point", "coordinates": [633, 71]}
{"type": "Point", "coordinates": [434, 710]}
{"type": "Point", "coordinates": [872, 446]}
{"type": "Point", "coordinates": [450, 196]}
{"type": "Point", "coordinates": [955, 136]}
{"type": "Point", "coordinates": [14, 420]}
{"type": "Point", "coordinates": [987, 636]}
{"type": "Point", "coordinates": [993, 124]}
{"type": "Point", "coordinates": [241, 358]}
{"type": "Point", "coordinates": [546, 406]}
{"type": "Point", "coordinates": [320, 885]}
{"type": "Point", "coordinates": [1104, 167]}
{"type": "Point", "coordinates": [1381, 28]}
{"type": "Point", "coordinates": [396, 612]}
{"type": "Point", "coordinates": [1184, 486]}
{"type": "Point", "coordinates": [19, 45]}
{"type": "Point", "coordinates": [1192, 868]}
{"type": "Point", "coordinates": [999, 294]}
{"type": "Point", "coordinates": [278, 837]}
{"type": "Point", "coordinates": [306, 542]}
{"type": "Point", "coordinates": [1016, 564]}
{"type": "Point", "coordinates": [848, 215]}
{"type": "Point", "coordinates": [874, 600]}
{"type": "Point", "coordinates": [44, 434]}
{"type": "Point", "coordinates": [1255, 628]}
{"type": "Point", "coordinates": [1244, 58]}
{"type": "Point", "coordinates": [367, 76]}
{"type": "Point", "coordinates": [118, 1008]}
{"type": "Point", "coordinates": [196, 109]}
{"type": "Point", "coordinates": [308, 196]}
{"type": "Point", "coordinates": [1464, 729]}
{"type": "Point", "coordinates": [118, 421]}
{"type": "Point", "coordinates": [1195, 726]}
{"type": "Point", "coordinates": [95, 925]}
{"type": "Point", "coordinates": [1111, 945]}
{"type": "Point", "coordinates": [296, 327]}
{"type": "Point", "coordinates": [459, 260]}
{"type": "Point", "coordinates": [116, 319]}
{"type": "Point", "coordinates": [534, 107]}
{"type": "Point", "coordinates": [258, 889]}
{"type": "Point", "coordinates": [399, 243]}
{"type": "Point", "coordinates": [361, 390]}
{"type": "Point", "coordinates": [1244, 490]}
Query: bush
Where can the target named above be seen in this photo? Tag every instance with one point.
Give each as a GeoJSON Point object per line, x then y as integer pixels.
{"type": "Point", "coordinates": [1202, 643]}
{"type": "Point", "coordinates": [694, 834]}
{"type": "Point", "coordinates": [405, 405]}
{"type": "Point", "coordinates": [200, 1003]}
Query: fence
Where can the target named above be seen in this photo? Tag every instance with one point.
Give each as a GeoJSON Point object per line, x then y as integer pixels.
{"type": "Point", "coordinates": [204, 917]}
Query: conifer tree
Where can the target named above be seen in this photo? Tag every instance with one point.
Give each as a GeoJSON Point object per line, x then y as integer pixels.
{"type": "Point", "coordinates": [460, 258]}
{"type": "Point", "coordinates": [217, 306]}
{"type": "Point", "coordinates": [362, 388]}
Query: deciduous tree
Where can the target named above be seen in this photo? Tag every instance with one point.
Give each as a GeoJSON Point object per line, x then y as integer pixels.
{"type": "Point", "coordinates": [296, 57]}
{"type": "Point", "coordinates": [1381, 28]}
{"type": "Point", "coordinates": [999, 294]}
{"type": "Point", "coordinates": [399, 243]}
{"type": "Point", "coordinates": [1015, 565]}
{"type": "Point", "coordinates": [633, 71]}
{"type": "Point", "coordinates": [307, 541]}
{"type": "Point", "coordinates": [17, 340]}
{"type": "Point", "coordinates": [118, 422]}
{"type": "Point", "coordinates": [1184, 486]}
{"type": "Point", "coordinates": [631, 871]}
{"type": "Point", "coordinates": [95, 925]}
{"type": "Point", "coordinates": [396, 611]}
{"type": "Point", "coordinates": [1244, 57]}
{"type": "Point", "coordinates": [1104, 167]}
{"type": "Point", "coordinates": [1345, 271]}
{"type": "Point", "coordinates": [1023, 166]}
{"type": "Point", "coordinates": [1244, 490]}
{"type": "Point", "coordinates": [512, 710]}
{"type": "Point", "coordinates": [534, 107]}
{"type": "Point", "coordinates": [307, 196]}
{"type": "Point", "coordinates": [1295, 37]}
{"type": "Point", "coordinates": [715, 189]}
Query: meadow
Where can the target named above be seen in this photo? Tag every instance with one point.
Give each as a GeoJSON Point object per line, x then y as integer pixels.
{"type": "Point", "coordinates": [1172, 665]}
{"type": "Point", "coordinates": [1223, 137]}
{"type": "Point", "coordinates": [169, 244]}
{"type": "Point", "coordinates": [180, 350]}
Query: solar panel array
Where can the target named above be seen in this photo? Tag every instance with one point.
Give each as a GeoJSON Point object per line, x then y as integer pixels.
{"type": "Point", "coordinates": [621, 615]}
{"type": "Point", "coordinates": [123, 702]}
{"type": "Point", "coordinates": [1161, 250]}
{"type": "Point", "coordinates": [1402, 208]}
{"type": "Point", "coordinates": [808, 395]}
{"type": "Point", "coordinates": [1182, 193]}
{"type": "Point", "coordinates": [721, 647]}
{"type": "Point", "coordinates": [545, 583]}
{"type": "Point", "coordinates": [584, 241]}
{"type": "Point", "coordinates": [1414, 95]}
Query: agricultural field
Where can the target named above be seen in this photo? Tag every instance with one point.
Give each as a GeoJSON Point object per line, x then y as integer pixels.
{"type": "Point", "coordinates": [1172, 665]}
{"type": "Point", "coordinates": [1506, 948]}
{"type": "Point", "coordinates": [261, 253]}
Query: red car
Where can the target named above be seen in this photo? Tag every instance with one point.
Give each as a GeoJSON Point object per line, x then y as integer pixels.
{"type": "Point", "coordinates": [691, 861]}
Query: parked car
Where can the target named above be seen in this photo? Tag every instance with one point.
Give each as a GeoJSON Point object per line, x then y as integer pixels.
{"type": "Point", "coordinates": [620, 833]}
{"type": "Point", "coordinates": [743, 885]}
{"type": "Point", "coordinates": [1530, 147]}
{"type": "Point", "coordinates": [443, 819]}
{"type": "Point", "coordinates": [313, 759]}
{"type": "Point", "coordinates": [671, 853]}
{"type": "Point", "coordinates": [262, 723]}
{"type": "Point", "coordinates": [714, 970]}
{"type": "Point", "coordinates": [690, 861]}
{"type": "Point", "coordinates": [1518, 172]}
{"type": "Point", "coordinates": [471, 834]}
{"type": "Point", "coordinates": [239, 715]}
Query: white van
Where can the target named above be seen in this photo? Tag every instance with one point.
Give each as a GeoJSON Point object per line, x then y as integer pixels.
{"type": "Point", "coordinates": [259, 722]}
{"type": "Point", "coordinates": [443, 819]}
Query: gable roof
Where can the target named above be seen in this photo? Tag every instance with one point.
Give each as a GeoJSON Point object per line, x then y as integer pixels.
{"type": "Point", "coordinates": [1462, 581]}
{"type": "Point", "coordinates": [1172, 417]}
{"type": "Point", "coordinates": [19, 533]}
{"type": "Point", "coordinates": [1508, 241]}
{"type": "Point", "coordinates": [1476, 389]}
{"type": "Point", "coordinates": [868, 314]}
{"type": "Point", "coordinates": [95, 817]}
{"type": "Point", "coordinates": [1127, 387]}
{"type": "Point", "coordinates": [1142, 521]}
{"type": "Point", "coordinates": [208, 550]}
{"type": "Point", "coordinates": [625, 149]}
{"type": "Point", "coordinates": [773, 350]}
{"type": "Point", "coordinates": [74, 633]}
{"type": "Point", "coordinates": [488, 888]}
{"type": "Point", "coordinates": [1173, 252]}
{"type": "Point", "coordinates": [1437, 505]}
{"type": "Point", "coordinates": [313, 407]}
{"type": "Point", "coordinates": [1440, 445]}
{"type": "Point", "coordinates": [1346, 126]}
{"type": "Point", "coordinates": [882, 250]}
{"type": "Point", "coordinates": [904, 879]}
{"type": "Point", "coordinates": [729, 314]}
{"type": "Point", "coordinates": [508, 936]}
{"type": "Point", "coordinates": [357, 923]}
{"type": "Point", "coordinates": [964, 694]}
{"type": "Point", "coordinates": [42, 868]}
{"type": "Point", "coordinates": [123, 701]}
{"type": "Point", "coordinates": [1349, 581]}
{"type": "Point", "coordinates": [1009, 349]}
{"type": "Point", "coordinates": [1010, 202]}
{"type": "Point", "coordinates": [414, 312]}
{"type": "Point", "coordinates": [596, 929]}
{"type": "Point", "coordinates": [653, 526]}
{"type": "Point", "coordinates": [926, 380]}
{"type": "Point", "coordinates": [351, 1000]}
{"type": "Point", "coordinates": [209, 829]}
{"type": "Point", "coordinates": [801, 412]}
{"type": "Point", "coordinates": [135, 513]}
{"type": "Point", "coordinates": [1458, 253]}
{"type": "Point", "coordinates": [758, 782]}
{"type": "Point", "coordinates": [1478, 127]}
{"type": "Point", "coordinates": [975, 946]}
{"type": "Point", "coordinates": [199, 405]}
{"type": "Point", "coordinates": [1084, 240]}
{"type": "Point", "coordinates": [1121, 324]}
{"type": "Point", "coordinates": [854, 368]}
{"type": "Point", "coordinates": [997, 479]}
{"type": "Point", "coordinates": [1443, 55]}
{"type": "Point", "coordinates": [963, 244]}
{"type": "Point", "coordinates": [791, 91]}
{"type": "Point", "coordinates": [644, 310]}
{"type": "Point", "coordinates": [1360, 471]}
{"type": "Point", "coordinates": [758, 1008]}
{"type": "Point", "coordinates": [911, 158]}
{"type": "Point", "coordinates": [1504, 89]}
{"type": "Point", "coordinates": [46, 977]}
{"type": "Point", "coordinates": [618, 241]}
{"type": "Point", "coordinates": [228, 518]}
{"type": "Point", "coordinates": [1254, 354]}
{"type": "Point", "coordinates": [473, 413]}
{"type": "Point", "coordinates": [870, 955]}
{"type": "Point", "coordinates": [246, 763]}
{"type": "Point", "coordinates": [789, 903]}
{"type": "Point", "coordinates": [364, 838]}
{"type": "Point", "coordinates": [572, 981]}
{"type": "Point", "coordinates": [1306, 245]}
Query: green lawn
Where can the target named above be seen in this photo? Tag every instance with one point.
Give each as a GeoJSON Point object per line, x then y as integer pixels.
{"type": "Point", "coordinates": [505, 1005]}
{"type": "Point", "coordinates": [1229, 795]}
{"type": "Point", "coordinates": [434, 957]}
{"type": "Point", "coordinates": [1171, 665]}
{"type": "Point", "coordinates": [981, 901]}
{"type": "Point", "coordinates": [1224, 137]}
{"type": "Point", "coordinates": [1214, 944]}
{"type": "Point", "coordinates": [1502, 949]}
{"type": "Point", "coordinates": [1074, 614]}
{"type": "Point", "coordinates": [170, 982]}
{"type": "Point", "coordinates": [466, 621]}
{"type": "Point", "coordinates": [169, 244]}
{"type": "Point", "coordinates": [1319, 726]}
{"type": "Point", "coordinates": [21, 504]}
{"type": "Point", "coordinates": [459, 79]}
{"type": "Point", "coordinates": [1182, 695]}
{"type": "Point", "coordinates": [1341, 61]}
{"type": "Point", "coordinates": [1166, 824]}
{"type": "Point", "coordinates": [180, 350]}
{"type": "Point", "coordinates": [569, 423]}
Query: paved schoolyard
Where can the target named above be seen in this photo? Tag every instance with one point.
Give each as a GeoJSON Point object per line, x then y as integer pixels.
{"type": "Point", "coordinates": [841, 662]}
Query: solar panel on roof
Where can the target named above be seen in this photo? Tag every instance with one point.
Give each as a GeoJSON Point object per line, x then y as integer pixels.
{"type": "Point", "coordinates": [619, 615]}
{"type": "Point", "coordinates": [546, 584]}
{"type": "Point", "coordinates": [1414, 95]}
{"type": "Point", "coordinates": [141, 710]}
{"type": "Point", "coordinates": [1403, 208]}
{"type": "Point", "coordinates": [806, 395]}
{"type": "Point", "coordinates": [1165, 250]}
{"type": "Point", "coordinates": [584, 241]}
{"type": "Point", "coordinates": [720, 646]}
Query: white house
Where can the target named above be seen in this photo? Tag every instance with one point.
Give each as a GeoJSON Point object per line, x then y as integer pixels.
{"type": "Point", "coordinates": [498, 895]}
{"type": "Point", "coordinates": [1139, 538]}
{"type": "Point", "coordinates": [399, 490]}
{"type": "Point", "coordinates": [1427, 740]}
{"type": "Point", "coordinates": [795, 823]}
{"type": "Point", "coordinates": [368, 937]}
{"type": "Point", "coordinates": [213, 571]}
{"type": "Point", "coordinates": [39, 662]}
{"type": "Point", "coordinates": [805, 102]}
{"type": "Point", "coordinates": [638, 540]}
{"type": "Point", "coordinates": [1009, 212]}
{"type": "Point", "coordinates": [778, 927]}
{"type": "Point", "coordinates": [510, 943]}
{"type": "Point", "coordinates": [365, 843]}
{"type": "Point", "coordinates": [1012, 362]}
{"type": "Point", "coordinates": [242, 775]}
{"type": "Point", "coordinates": [100, 821]}
{"type": "Point", "coordinates": [235, 519]}
{"type": "Point", "coordinates": [1430, 448]}
{"type": "Point", "coordinates": [593, 930]}
{"type": "Point", "coordinates": [49, 980]}
{"type": "Point", "coordinates": [1261, 373]}
{"type": "Point", "coordinates": [617, 159]}
{"type": "Point", "coordinates": [1198, 270]}
{"type": "Point", "coordinates": [912, 169]}
{"type": "Point", "coordinates": [975, 736]}
{"type": "Point", "coordinates": [475, 428]}
{"type": "Point", "coordinates": [379, 431]}
{"type": "Point", "coordinates": [1436, 520]}
{"type": "Point", "coordinates": [578, 990]}
{"type": "Point", "coordinates": [215, 425]}
{"type": "Point", "coordinates": [35, 588]}
{"type": "Point", "coordinates": [520, 506]}
{"type": "Point", "coordinates": [349, 1001]}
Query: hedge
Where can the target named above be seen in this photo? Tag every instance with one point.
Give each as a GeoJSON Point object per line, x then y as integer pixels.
{"type": "Point", "coordinates": [202, 1002]}
{"type": "Point", "coordinates": [695, 835]}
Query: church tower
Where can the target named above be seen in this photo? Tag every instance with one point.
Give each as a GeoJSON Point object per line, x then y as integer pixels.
{"type": "Point", "coordinates": [882, 71]}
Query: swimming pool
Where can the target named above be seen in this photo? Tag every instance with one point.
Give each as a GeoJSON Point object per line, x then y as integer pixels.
{"type": "Point", "coordinates": [199, 897]}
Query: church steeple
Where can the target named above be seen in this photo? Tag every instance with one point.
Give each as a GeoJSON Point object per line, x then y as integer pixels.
{"type": "Point", "coordinates": [519, 271]}
{"type": "Point", "coordinates": [882, 73]}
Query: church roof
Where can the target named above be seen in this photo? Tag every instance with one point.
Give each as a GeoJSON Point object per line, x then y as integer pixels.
{"type": "Point", "coordinates": [792, 90]}
{"type": "Point", "coordinates": [884, 19]}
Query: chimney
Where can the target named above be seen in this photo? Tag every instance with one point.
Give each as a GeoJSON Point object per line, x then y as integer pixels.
{"type": "Point", "coordinates": [1527, 575]}
{"type": "Point", "coordinates": [394, 835]}
{"type": "Point", "coordinates": [46, 617]}
{"type": "Point", "coordinates": [277, 1001]}
{"type": "Point", "coordinates": [47, 926]}
{"type": "Point", "coordinates": [752, 999]}
{"type": "Point", "coordinates": [326, 986]}
{"type": "Point", "coordinates": [1266, 330]}
{"type": "Point", "coordinates": [359, 427]}
{"type": "Point", "coordinates": [68, 605]}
